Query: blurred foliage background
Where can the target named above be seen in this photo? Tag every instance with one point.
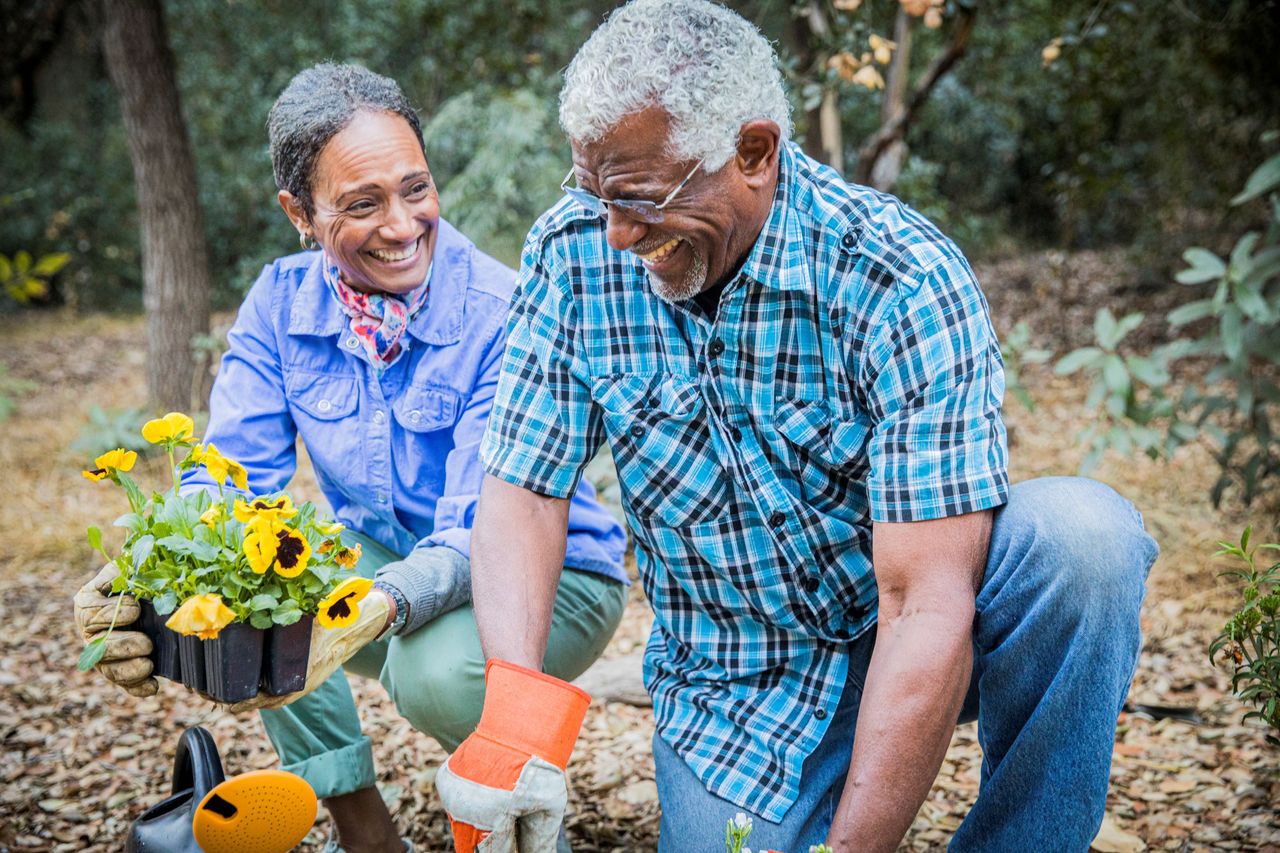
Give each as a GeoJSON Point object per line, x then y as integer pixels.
{"type": "Point", "coordinates": [1136, 135]}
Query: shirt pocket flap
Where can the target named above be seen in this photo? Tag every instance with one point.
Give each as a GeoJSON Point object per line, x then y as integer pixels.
{"type": "Point", "coordinates": [323, 397]}
{"type": "Point", "coordinates": [427, 409]}
{"type": "Point", "coordinates": [629, 394]}
{"type": "Point", "coordinates": [806, 423]}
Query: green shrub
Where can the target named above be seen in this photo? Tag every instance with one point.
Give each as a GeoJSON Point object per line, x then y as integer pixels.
{"type": "Point", "coordinates": [1250, 641]}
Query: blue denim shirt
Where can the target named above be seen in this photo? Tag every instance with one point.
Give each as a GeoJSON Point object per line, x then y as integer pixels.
{"type": "Point", "coordinates": [396, 455]}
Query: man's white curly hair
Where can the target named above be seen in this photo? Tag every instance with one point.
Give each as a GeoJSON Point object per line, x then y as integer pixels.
{"type": "Point", "coordinates": [708, 67]}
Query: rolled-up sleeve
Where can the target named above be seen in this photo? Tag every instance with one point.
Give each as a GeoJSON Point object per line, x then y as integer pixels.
{"type": "Point", "coordinates": [545, 427]}
{"type": "Point", "coordinates": [936, 384]}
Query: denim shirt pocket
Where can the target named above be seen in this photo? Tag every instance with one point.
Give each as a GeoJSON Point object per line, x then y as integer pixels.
{"type": "Point", "coordinates": [322, 396]}
{"type": "Point", "coordinates": [427, 408]}
{"type": "Point", "coordinates": [661, 441]}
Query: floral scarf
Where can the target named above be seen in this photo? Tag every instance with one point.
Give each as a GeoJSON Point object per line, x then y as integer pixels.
{"type": "Point", "coordinates": [378, 320]}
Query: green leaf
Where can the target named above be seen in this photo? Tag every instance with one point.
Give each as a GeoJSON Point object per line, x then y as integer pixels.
{"type": "Point", "coordinates": [1147, 371]}
{"type": "Point", "coordinates": [1189, 313]}
{"type": "Point", "coordinates": [1232, 331]}
{"type": "Point", "coordinates": [131, 521]}
{"type": "Point", "coordinates": [262, 601]}
{"type": "Point", "coordinates": [1116, 375]}
{"type": "Point", "coordinates": [92, 653]}
{"type": "Point", "coordinates": [1104, 329]}
{"type": "Point", "coordinates": [1073, 361]}
{"type": "Point", "coordinates": [95, 538]}
{"type": "Point", "coordinates": [50, 264]}
{"type": "Point", "coordinates": [141, 550]}
{"type": "Point", "coordinates": [6, 269]}
{"type": "Point", "coordinates": [1264, 178]}
{"type": "Point", "coordinates": [1204, 266]}
{"type": "Point", "coordinates": [260, 620]}
{"type": "Point", "coordinates": [166, 602]}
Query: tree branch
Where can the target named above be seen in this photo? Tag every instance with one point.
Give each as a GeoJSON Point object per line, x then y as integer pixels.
{"type": "Point", "coordinates": [896, 128]}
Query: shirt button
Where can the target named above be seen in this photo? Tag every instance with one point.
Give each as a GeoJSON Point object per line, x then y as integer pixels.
{"type": "Point", "coordinates": [415, 416]}
{"type": "Point", "coordinates": [820, 714]}
{"type": "Point", "coordinates": [735, 433]}
{"type": "Point", "coordinates": [849, 240]}
{"type": "Point", "coordinates": [717, 347]}
{"type": "Point", "coordinates": [637, 430]}
{"type": "Point", "coordinates": [352, 343]}
{"type": "Point", "coordinates": [811, 584]}
{"type": "Point", "coordinates": [324, 405]}
{"type": "Point", "coordinates": [777, 520]}
{"type": "Point", "coordinates": [379, 417]}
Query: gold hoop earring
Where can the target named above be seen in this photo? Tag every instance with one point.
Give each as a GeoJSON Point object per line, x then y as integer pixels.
{"type": "Point", "coordinates": [307, 241]}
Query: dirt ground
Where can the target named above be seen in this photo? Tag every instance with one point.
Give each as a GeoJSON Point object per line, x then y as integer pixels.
{"type": "Point", "coordinates": [81, 759]}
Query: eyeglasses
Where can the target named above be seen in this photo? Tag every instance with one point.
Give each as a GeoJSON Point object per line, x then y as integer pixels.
{"type": "Point", "coordinates": [645, 211]}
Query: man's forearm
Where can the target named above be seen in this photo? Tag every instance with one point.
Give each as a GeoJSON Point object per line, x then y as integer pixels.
{"type": "Point", "coordinates": [915, 687]}
{"type": "Point", "coordinates": [517, 552]}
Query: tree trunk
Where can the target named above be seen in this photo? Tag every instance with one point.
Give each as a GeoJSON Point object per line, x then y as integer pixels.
{"type": "Point", "coordinates": [175, 266]}
{"type": "Point", "coordinates": [885, 171]}
{"type": "Point", "coordinates": [824, 138]}
{"type": "Point", "coordinates": [874, 147]}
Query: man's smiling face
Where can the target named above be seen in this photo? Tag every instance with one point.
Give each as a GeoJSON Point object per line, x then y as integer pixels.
{"type": "Point", "coordinates": [707, 230]}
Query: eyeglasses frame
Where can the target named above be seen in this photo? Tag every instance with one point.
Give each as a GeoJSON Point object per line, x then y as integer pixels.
{"type": "Point", "coordinates": [642, 209]}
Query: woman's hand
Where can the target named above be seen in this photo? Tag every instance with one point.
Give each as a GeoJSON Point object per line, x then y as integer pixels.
{"type": "Point", "coordinates": [125, 662]}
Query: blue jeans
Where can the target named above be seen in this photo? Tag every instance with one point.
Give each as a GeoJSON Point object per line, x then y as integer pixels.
{"type": "Point", "coordinates": [1055, 643]}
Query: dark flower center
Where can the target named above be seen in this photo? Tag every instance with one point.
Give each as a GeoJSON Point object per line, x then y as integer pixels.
{"type": "Point", "coordinates": [290, 549]}
{"type": "Point", "coordinates": [341, 608]}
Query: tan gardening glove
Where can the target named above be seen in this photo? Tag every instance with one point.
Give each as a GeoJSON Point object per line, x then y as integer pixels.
{"type": "Point", "coordinates": [126, 662]}
{"type": "Point", "coordinates": [330, 648]}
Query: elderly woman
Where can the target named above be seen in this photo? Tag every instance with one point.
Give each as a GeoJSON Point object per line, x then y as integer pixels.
{"type": "Point", "coordinates": [380, 349]}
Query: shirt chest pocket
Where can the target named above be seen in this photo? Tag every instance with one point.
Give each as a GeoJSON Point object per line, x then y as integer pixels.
{"type": "Point", "coordinates": [320, 396]}
{"type": "Point", "coordinates": [426, 408]}
{"type": "Point", "coordinates": [821, 449]}
{"type": "Point", "coordinates": [661, 441]}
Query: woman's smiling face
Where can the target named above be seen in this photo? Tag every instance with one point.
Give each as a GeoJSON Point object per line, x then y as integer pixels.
{"type": "Point", "coordinates": [377, 213]}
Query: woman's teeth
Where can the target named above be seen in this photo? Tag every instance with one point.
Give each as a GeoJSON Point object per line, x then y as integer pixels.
{"type": "Point", "coordinates": [660, 252]}
{"type": "Point", "coordinates": [391, 255]}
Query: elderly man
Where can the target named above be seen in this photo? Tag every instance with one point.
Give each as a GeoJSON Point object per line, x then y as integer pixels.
{"type": "Point", "coordinates": [801, 387]}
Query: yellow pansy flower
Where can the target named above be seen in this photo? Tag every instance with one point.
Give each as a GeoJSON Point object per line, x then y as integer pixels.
{"type": "Point", "coordinates": [292, 552]}
{"type": "Point", "coordinates": [330, 528]}
{"type": "Point", "coordinates": [340, 607]}
{"type": "Point", "coordinates": [203, 615]}
{"type": "Point", "coordinates": [278, 508]}
{"type": "Point", "coordinates": [113, 460]}
{"type": "Point", "coordinates": [220, 467]}
{"type": "Point", "coordinates": [261, 542]}
{"type": "Point", "coordinates": [174, 427]}
{"type": "Point", "coordinates": [212, 515]}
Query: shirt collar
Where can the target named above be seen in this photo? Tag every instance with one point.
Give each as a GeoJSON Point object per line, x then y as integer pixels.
{"type": "Point", "coordinates": [316, 312]}
{"type": "Point", "coordinates": [779, 257]}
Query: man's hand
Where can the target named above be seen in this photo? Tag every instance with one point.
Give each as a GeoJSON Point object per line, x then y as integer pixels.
{"type": "Point", "coordinates": [125, 661]}
{"type": "Point", "coordinates": [504, 786]}
{"type": "Point", "coordinates": [330, 648]}
{"type": "Point", "coordinates": [928, 574]}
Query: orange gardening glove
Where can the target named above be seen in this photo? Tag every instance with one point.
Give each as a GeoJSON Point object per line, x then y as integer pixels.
{"type": "Point", "coordinates": [504, 788]}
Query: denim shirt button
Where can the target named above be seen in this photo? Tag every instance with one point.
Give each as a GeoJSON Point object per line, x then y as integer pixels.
{"type": "Point", "coordinates": [352, 343]}
{"type": "Point", "coordinates": [324, 405]}
{"type": "Point", "coordinates": [379, 417]}
{"type": "Point", "coordinates": [415, 416]}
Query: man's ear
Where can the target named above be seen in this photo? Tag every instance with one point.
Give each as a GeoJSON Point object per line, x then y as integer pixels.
{"type": "Point", "coordinates": [758, 142]}
{"type": "Point", "coordinates": [293, 209]}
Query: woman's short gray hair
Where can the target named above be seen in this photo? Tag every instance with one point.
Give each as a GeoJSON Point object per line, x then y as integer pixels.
{"type": "Point", "coordinates": [708, 67]}
{"type": "Point", "coordinates": [316, 105]}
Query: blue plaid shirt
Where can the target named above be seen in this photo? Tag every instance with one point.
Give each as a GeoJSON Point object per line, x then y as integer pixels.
{"type": "Point", "coordinates": [850, 375]}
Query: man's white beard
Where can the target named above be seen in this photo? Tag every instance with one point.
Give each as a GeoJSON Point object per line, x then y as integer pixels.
{"type": "Point", "coordinates": [693, 282]}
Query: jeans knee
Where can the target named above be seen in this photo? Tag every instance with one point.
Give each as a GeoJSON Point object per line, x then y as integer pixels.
{"type": "Point", "coordinates": [1089, 538]}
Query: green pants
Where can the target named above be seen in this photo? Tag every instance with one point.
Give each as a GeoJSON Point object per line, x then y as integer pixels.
{"type": "Point", "coordinates": [434, 675]}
